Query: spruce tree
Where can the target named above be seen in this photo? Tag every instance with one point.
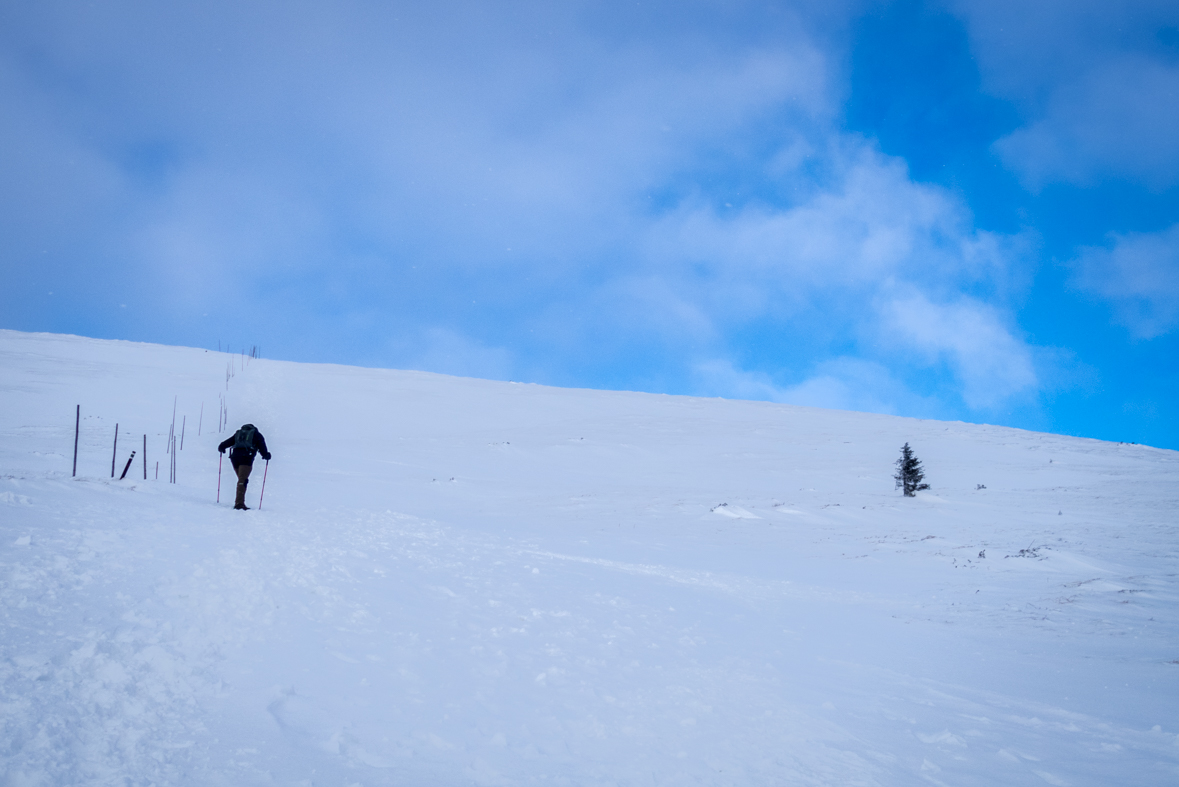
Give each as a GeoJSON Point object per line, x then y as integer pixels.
{"type": "Point", "coordinates": [909, 472]}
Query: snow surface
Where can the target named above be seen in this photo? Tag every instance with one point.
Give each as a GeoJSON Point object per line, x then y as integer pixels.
{"type": "Point", "coordinates": [456, 581]}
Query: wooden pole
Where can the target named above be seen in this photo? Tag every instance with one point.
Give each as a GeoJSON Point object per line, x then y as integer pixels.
{"type": "Point", "coordinates": [77, 427]}
{"type": "Point", "coordinates": [182, 425]}
{"type": "Point", "coordinates": [115, 451]}
{"type": "Point", "coordinates": [172, 429]}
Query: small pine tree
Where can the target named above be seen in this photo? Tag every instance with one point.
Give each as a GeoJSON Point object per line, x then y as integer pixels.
{"type": "Point", "coordinates": [909, 472]}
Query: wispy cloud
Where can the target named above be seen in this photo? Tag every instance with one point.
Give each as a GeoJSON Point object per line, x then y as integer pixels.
{"type": "Point", "coordinates": [1121, 119]}
{"type": "Point", "coordinates": [842, 383]}
{"type": "Point", "coordinates": [1138, 273]}
{"type": "Point", "coordinates": [1096, 83]}
{"type": "Point", "coordinates": [992, 363]}
{"type": "Point", "coordinates": [891, 261]}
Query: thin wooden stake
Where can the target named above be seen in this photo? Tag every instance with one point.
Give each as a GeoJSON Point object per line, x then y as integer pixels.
{"type": "Point", "coordinates": [172, 429]}
{"type": "Point", "coordinates": [77, 428]}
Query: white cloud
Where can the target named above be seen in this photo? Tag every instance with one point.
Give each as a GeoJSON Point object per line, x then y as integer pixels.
{"type": "Point", "coordinates": [563, 190]}
{"type": "Point", "coordinates": [884, 256]}
{"type": "Point", "coordinates": [55, 189]}
{"type": "Point", "coordinates": [1121, 119]}
{"type": "Point", "coordinates": [1138, 273]}
{"type": "Point", "coordinates": [842, 383]}
{"type": "Point", "coordinates": [991, 362]}
{"type": "Point", "coordinates": [1098, 91]}
{"type": "Point", "coordinates": [718, 377]}
{"type": "Point", "coordinates": [446, 351]}
{"type": "Point", "coordinates": [865, 223]}
{"type": "Point", "coordinates": [219, 232]}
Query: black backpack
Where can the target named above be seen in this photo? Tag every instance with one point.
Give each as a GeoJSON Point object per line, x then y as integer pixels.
{"type": "Point", "coordinates": [244, 439]}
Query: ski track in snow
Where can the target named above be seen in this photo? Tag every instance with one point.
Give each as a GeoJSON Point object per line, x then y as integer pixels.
{"type": "Point", "coordinates": [570, 608]}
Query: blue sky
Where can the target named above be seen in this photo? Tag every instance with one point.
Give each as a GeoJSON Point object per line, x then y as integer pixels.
{"type": "Point", "coordinates": [958, 210]}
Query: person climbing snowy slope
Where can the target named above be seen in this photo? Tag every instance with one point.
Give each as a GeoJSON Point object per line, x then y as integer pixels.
{"type": "Point", "coordinates": [246, 442]}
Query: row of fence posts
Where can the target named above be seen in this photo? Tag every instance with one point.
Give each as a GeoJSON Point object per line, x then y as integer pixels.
{"type": "Point", "coordinates": [172, 450]}
{"type": "Point", "coordinates": [171, 445]}
{"type": "Point", "coordinates": [114, 451]}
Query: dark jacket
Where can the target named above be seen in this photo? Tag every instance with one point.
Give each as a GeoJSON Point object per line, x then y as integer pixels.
{"type": "Point", "coordinates": [245, 456]}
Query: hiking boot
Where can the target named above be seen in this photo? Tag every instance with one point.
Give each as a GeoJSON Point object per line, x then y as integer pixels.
{"type": "Point", "coordinates": [241, 507]}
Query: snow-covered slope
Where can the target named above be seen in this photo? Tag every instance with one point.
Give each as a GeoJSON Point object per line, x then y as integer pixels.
{"type": "Point", "coordinates": [456, 581]}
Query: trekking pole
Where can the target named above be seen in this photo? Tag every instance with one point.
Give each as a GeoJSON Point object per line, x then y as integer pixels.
{"type": "Point", "coordinates": [264, 471]}
{"type": "Point", "coordinates": [219, 458]}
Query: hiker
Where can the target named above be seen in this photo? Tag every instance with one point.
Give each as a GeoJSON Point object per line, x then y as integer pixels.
{"type": "Point", "coordinates": [245, 442]}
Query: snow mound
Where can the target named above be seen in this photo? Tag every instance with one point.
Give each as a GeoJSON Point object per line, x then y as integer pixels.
{"type": "Point", "coordinates": [733, 512]}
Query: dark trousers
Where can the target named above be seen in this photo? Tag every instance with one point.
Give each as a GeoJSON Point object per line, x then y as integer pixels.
{"type": "Point", "coordinates": [243, 480]}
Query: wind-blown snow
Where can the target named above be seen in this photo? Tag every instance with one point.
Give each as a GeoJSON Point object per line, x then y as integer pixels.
{"type": "Point", "coordinates": [455, 581]}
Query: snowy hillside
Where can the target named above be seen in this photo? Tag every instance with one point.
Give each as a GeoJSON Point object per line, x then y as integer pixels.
{"type": "Point", "coordinates": [455, 581]}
